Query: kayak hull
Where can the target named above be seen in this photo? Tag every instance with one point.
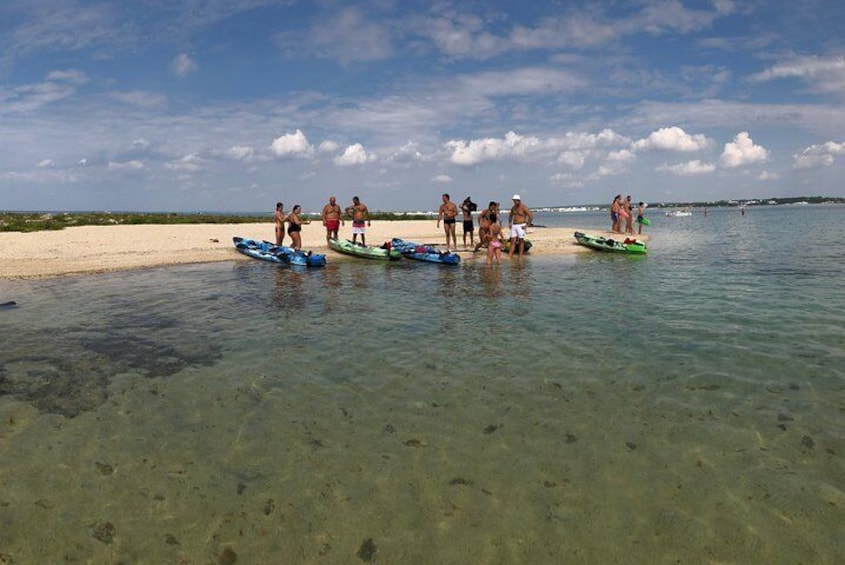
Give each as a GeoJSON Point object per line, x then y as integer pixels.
{"type": "Point", "coordinates": [600, 243]}
{"type": "Point", "coordinates": [425, 253]}
{"type": "Point", "coordinates": [365, 252]}
{"type": "Point", "coordinates": [266, 251]}
{"type": "Point", "coordinates": [507, 246]}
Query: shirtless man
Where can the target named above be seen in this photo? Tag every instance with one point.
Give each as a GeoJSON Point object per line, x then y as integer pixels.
{"type": "Point", "coordinates": [615, 209]}
{"type": "Point", "coordinates": [640, 218]}
{"type": "Point", "coordinates": [280, 223]}
{"type": "Point", "coordinates": [468, 207]}
{"type": "Point", "coordinates": [519, 218]}
{"type": "Point", "coordinates": [332, 219]}
{"type": "Point", "coordinates": [448, 213]}
{"type": "Point", "coordinates": [360, 219]}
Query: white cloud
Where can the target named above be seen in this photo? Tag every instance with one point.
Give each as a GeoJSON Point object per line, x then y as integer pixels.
{"type": "Point", "coordinates": [766, 175]}
{"type": "Point", "coordinates": [574, 159]}
{"type": "Point", "coordinates": [826, 74]}
{"type": "Point", "coordinates": [623, 155]}
{"type": "Point", "coordinates": [488, 149]}
{"type": "Point", "coordinates": [292, 145]}
{"type": "Point", "coordinates": [328, 146]}
{"type": "Point", "coordinates": [566, 180]}
{"type": "Point", "coordinates": [607, 170]}
{"type": "Point", "coordinates": [690, 168]}
{"type": "Point", "coordinates": [141, 99]}
{"type": "Point", "coordinates": [572, 150]}
{"type": "Point", "coordinates": [742, 151]}
{"type": "Point", "coordinates": [182, 65]}
{"type": "Point", "coordinates": [191, 163]}
{"type": "Point", "coordinates": [72, 76]}
{"type": "Point", "coordinates": [45, 163]}
{"type": "Point", "coordinates": [407, 153]}
{"type": "Point", "coordinates": [354, 155]}
{"type": "Point", "coordinates": [672, 139]}
{"type": "Point", "coordinates": [442, 178]}
{"type": "Point", "coordinates": [240, 152]}
{"type": "Point", "coordinates": [347, 37]}
{"type": "Point", "coordinates": [811, 161]}
{"type": "Point", "coordinates": [83, 162]}
{"type": "Point", "coordinates": [821, 155]}
{"type": "Point", "coordinates": [133, 165]}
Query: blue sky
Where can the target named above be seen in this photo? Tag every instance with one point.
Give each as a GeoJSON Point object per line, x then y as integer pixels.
{"type": "Point", "coordinates": [232, 105]}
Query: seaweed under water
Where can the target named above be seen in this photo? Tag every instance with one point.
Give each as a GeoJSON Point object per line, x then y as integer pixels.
{"type": "Point", "coordinates": [78, 382]}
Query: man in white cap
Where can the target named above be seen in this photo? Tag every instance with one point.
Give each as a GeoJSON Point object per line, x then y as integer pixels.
{"type": "Point", "coordinates": [520, 217]}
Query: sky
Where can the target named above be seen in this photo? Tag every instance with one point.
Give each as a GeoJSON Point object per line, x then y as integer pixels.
{"type": "Point", "coordinates": [233, 105]}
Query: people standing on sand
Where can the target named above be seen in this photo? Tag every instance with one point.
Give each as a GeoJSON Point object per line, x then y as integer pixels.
{"type": "Point", "coordinates": [332, 218]}
{"type": "Point", "coordinates": [640, 217]}
{"type": "Point", "coordinates": [280, 223]}
{"type": "Point", "coordinates": [628, 209]}
{"type": "Point", "coordinates": [448, 213]}
{"type": "Point", "coordinates": [519, 218]}
{"type": "Point", "coordinates": [495, 242]}
{"type": "Point", "coordinates": [487, 217]}
{"type": "Point", "coordinates": [295, 226]}
{"type": "Point", "coordinates": [615, 208]}
{"type": "Point", "coordinates": [360, 219]}
{"type": "Point", "coordinates": [468, 207]}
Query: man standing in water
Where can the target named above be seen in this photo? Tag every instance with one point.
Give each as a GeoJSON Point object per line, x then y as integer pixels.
{"type": "Point", "coordinates": [448, 213]}
{"type": "Point", "coordinates": [520, 217]}
{"type": "Point", "coordinates": [332, 218]}
{"type": "Point", "coordinates": [280, 223]}
{"type": "Point", "coordinates": [360, 219]}
{"type": "Point", "coordinates": [468, 207]}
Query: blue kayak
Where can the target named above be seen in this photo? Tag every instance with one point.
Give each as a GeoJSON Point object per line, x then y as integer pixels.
{"type": "Point", "coordinates": [266, 251]}
{"type": "Point", "coordinates": [426, 253]}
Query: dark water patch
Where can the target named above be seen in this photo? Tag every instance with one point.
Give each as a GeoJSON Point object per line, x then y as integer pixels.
{"type": "Point", "coordinates": [54, 384]}
{"type": "Point", "coordinates": [78, 382]}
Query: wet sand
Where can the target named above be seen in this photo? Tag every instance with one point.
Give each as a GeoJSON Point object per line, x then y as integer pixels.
{"type": "Point", "coordinates": [91, 249]}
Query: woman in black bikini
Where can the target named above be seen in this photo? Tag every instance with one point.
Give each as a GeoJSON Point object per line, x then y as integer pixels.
{"type": "Point", "coordinates": [487, 218]}
{"type": "Point", "coordinates": [295, 226]}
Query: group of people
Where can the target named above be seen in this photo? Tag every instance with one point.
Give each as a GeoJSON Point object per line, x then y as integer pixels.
{"type": "Point", "coordinates": [294, 222]}
{"type": "Point", "coordinates": [489, 229]}
{"type": "Point", "coordinates": [623, 210]}
{"type": "Point", "coordinates": [490, 233]}
{"type": "Point", "coordinates": [332, 217]}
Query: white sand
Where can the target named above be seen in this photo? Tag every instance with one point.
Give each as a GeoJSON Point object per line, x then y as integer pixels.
{"type": "Point", "coordinates": [90, 249]}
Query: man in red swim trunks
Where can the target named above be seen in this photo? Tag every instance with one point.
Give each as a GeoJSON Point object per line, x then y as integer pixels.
{"type": "Point", "coordinates": [332, 218]}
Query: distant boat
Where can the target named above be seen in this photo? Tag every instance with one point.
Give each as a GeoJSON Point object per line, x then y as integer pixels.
{"type": "Point", "coordinates": [679, 213]}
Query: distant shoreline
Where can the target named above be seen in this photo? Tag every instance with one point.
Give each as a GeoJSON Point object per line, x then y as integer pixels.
{"type": "Point", "coordinates": [30, 221]}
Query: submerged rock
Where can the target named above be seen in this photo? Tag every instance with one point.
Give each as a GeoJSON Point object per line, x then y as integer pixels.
{"type": "Point", "coordinates": [367, 551]}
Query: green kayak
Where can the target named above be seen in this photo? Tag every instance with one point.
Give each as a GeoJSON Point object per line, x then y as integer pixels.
{"type": "Point", "coordinates": [601, 243]}
{"type": "Point", "coordinates": [507, 246]}
{"type": "Point", "coordinates": [347, 247]}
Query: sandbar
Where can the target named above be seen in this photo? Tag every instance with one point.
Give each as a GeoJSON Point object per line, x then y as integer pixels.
{"type": "Point", "coordinates": [92, 249]}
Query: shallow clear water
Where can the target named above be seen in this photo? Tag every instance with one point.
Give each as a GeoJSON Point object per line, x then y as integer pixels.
{"type": "Point", "coordinates": [682, 407]}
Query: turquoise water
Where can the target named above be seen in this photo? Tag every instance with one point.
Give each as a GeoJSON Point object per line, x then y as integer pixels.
{"type": "Point", "coordinates": [687, 406]}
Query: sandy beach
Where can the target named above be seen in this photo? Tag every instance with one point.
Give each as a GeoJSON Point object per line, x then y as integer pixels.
{"type": "Point", "coordinates": [90, 249]}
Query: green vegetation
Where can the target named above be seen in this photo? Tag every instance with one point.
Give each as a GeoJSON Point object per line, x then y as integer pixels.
{"type": "Point", "coordinates": [36, 221]}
